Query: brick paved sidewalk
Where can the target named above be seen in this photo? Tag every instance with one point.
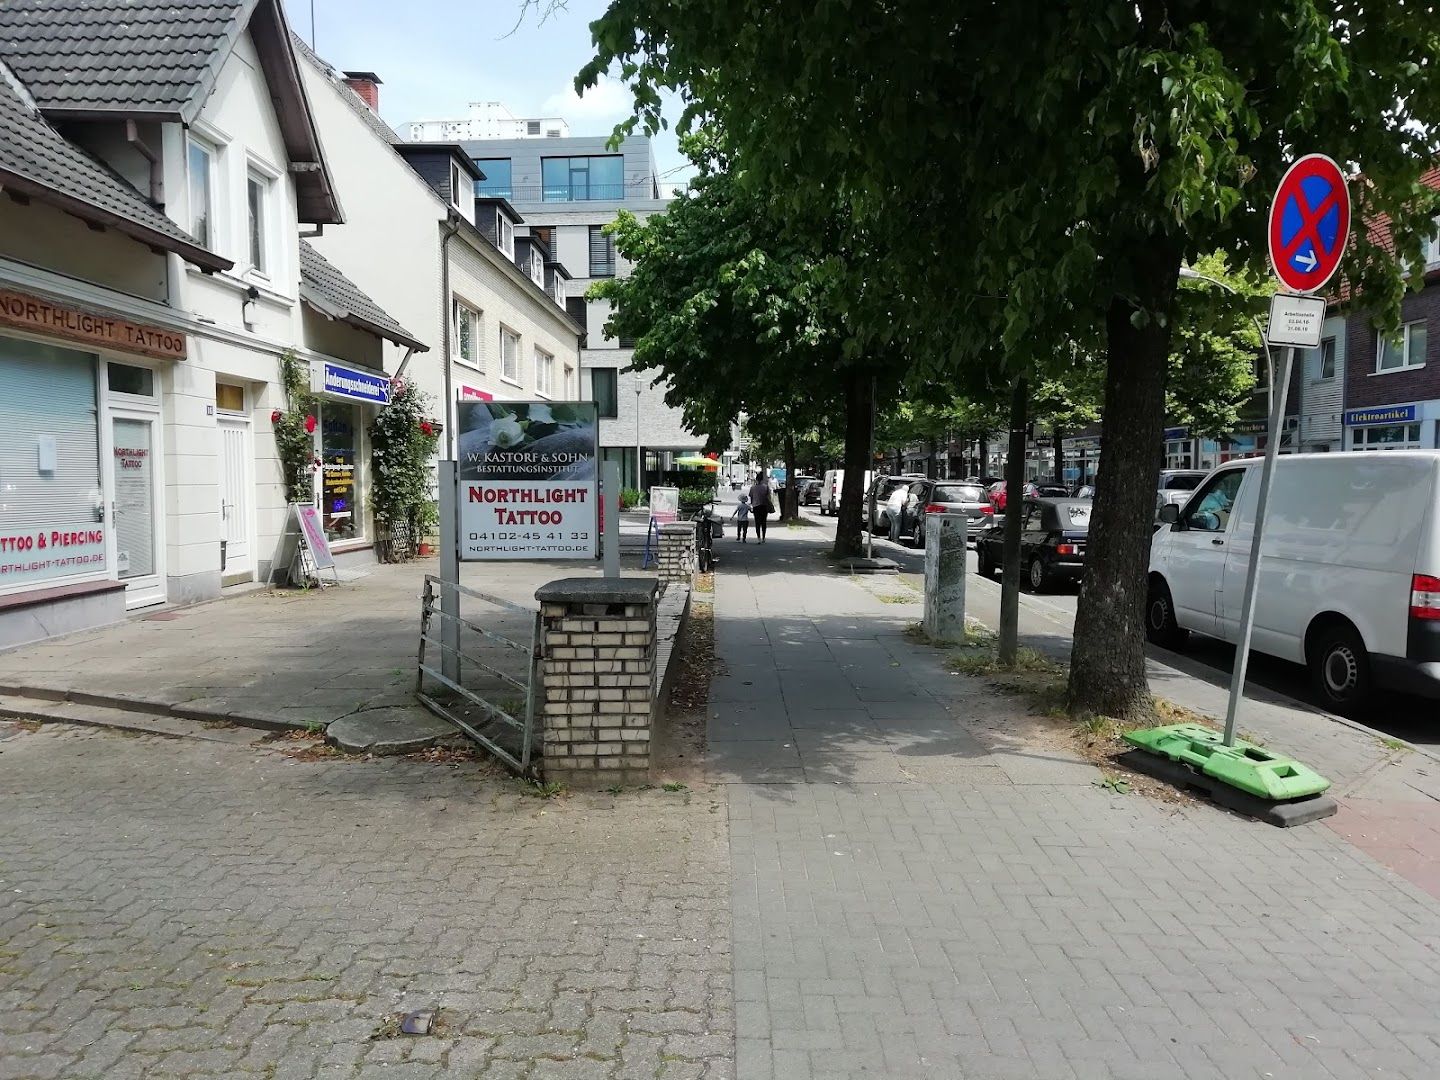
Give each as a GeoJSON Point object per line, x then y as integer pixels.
{"type": "Point", "coordinates": [921, 889]}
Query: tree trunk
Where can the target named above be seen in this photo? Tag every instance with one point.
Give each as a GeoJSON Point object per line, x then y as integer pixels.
{"type": "Point", "coordinates": [1014, 500]}
{"type": "Point", "coordinates": [789, 497]}
{"type": "Point", "coordinates": [984, 456]}
{"type": "Point", "coordinates": [858, 414]}
{"type": "Point", "coordinates": [1055, 434]}
{"type": "Point", "coordinates": [931, 467]}
{"type": "Point", "coordinates": [1107, 664]}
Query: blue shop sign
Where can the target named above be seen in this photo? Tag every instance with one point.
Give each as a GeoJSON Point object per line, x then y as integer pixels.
{"type": "Point", "coordinates": [340, 381]}
{"type": "Point", "coordinates": [1174, 433]}
{"type": "Point", "coordinates": [1383, 414]}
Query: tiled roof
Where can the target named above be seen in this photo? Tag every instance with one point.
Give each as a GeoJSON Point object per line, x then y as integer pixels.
{"type": "Point", "coordinates": [135, 57]}
{"type": "Point", "coordinates": [330, 292]}
{"type": "Point", "coordinates": [36, 161]}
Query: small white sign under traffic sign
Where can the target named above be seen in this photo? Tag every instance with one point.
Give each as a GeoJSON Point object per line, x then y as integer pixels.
{"type": "Point", "coordinates": [1296, 320]}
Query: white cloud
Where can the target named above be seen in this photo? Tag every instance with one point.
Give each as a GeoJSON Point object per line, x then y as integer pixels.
{"type": "Point", "coordinates": [605, 103]}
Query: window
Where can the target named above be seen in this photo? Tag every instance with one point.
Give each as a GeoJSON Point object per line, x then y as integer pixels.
{"type": "Point", "coordinates": [544, 372]}
{"type": "Point", "coordinates": [576, 308]}
{"type": "Point", "coordinates": [537, 266]}
{"type": "Point", "coordinates": [567, 383]}
{"type": "Point", "coordinates": [456, 184]}
{"type": "Point", "coordinates": [1431, 249]}
{"type": "Point", "coordinates": [604, 388]}
{"type": "Point", "coordinates": [496, 184]}
{"type": "Point", "coordinates": [504, 234]}
{"type": "Point", "coordinates": [509, 355]}
{"type": "Point", "coordinates": [257, 197]}
{"type": "Point", "coordinates": [1388, 437]}
{"type": "Point", "coordinates": [1321, 362]}
{"type": "Point", "coordinates": [625, 342]}
{"type": "Point", "coordinates": [1406, 350]}
{"type": "Point", "coordinates": [227, 398]}
{"type": "Point", "coordinates": [602, 252]}
{"type": "Point", "coordinates": [582, 179]}
{"type": "Point", "coordinates": [1209, 509]}
{"type": "Point", "coordinates": [201, 161]}
{"type": "Point", "coordinates": [128, 379]}
{"type": "Point", "coordinates": [467, 323]}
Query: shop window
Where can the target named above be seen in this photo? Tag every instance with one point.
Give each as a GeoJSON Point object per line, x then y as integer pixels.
{"type": "Point", "coordinates": [229, 398]}
{"type": "Point", "coordinates": [129, 379]}
{"type": "Point", "coordinates": [341, 496]}
{"type": "Point", "coordinates": [1388, 437]}
{"type": "Point", "coordinates": [50, 454]}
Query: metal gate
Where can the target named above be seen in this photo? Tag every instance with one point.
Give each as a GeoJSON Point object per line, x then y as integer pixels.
{"type": "Point", "coordinates": [504, 727]}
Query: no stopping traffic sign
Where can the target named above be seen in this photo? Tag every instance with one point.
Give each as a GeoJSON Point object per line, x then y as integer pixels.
{"type": "Point", "coordinates": [1309, 223]}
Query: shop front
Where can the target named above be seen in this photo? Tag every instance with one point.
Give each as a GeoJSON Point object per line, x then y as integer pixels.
{"type": "Point", "coordinates": [1391, 427]}
{"type": "Point", "coordinates": [349, 399]}
{"type": "Point", "coordinates": [82, 526]}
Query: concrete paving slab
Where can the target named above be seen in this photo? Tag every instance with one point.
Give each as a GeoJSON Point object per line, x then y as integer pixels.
{"type": "Point", "coordinates": [388, 731]}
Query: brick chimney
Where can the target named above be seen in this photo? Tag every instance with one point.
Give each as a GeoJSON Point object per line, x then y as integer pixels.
{"type": "Point", "coordinates": [367, 85]}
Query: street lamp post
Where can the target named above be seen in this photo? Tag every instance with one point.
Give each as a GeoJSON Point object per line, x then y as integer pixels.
{"type": "Point", "coordinates": [639, 474]}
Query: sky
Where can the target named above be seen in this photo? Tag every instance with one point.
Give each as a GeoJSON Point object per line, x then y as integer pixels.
{"type": "Point", "coordinates": [436, 56]}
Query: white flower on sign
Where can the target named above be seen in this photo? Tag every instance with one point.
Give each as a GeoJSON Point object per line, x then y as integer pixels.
{"type": "Point", "coordinates": [506, 432]}
{"type": "Point", "coordinates": [540, 414]}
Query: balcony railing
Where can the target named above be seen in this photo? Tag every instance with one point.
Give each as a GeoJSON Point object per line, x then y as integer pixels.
{"type": "Point", "coordinates": [520, 193]}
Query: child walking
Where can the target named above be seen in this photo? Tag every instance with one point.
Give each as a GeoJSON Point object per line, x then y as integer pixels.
{"type": "Point", "coordinates": [742, 517]}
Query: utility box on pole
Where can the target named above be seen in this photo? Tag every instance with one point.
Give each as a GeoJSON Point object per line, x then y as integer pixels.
{"type": "Point", "coordinates": [946, 541]}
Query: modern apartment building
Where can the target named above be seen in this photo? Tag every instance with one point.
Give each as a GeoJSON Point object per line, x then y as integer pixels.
{"type": "Point", "coordinates": [563, 192]}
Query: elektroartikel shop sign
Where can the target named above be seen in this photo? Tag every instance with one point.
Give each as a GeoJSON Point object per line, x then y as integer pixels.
{"type": "Point", "coordinates": [526, 474]}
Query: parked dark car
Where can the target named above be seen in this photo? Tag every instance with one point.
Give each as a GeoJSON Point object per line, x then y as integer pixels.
{"type": "Point", "coordinates": [933, 496]}
{"type": "Point", "coordinates": [809, 490]}
{"type": "Point", "coordinates": [877, 499]}
{"type": "Point", "coordinates": [1053, 534]}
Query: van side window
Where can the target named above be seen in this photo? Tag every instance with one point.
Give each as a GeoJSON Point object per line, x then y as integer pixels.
{"type": "Point", "coordinates": [1209, 509]}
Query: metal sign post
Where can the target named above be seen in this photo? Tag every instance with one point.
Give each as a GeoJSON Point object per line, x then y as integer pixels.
{"type": "Point", "coordinates": [449, 573]}
{"type": "Point", "coordinates": [610, 511]}
{"type": "Point", "coordinates": [1308, 230]}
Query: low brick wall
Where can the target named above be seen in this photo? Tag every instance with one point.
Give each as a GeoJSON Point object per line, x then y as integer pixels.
{"type": "Point", "coordinates": [599, 678]}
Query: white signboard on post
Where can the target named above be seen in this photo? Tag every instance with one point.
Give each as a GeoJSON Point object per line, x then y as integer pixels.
{"type": "Point", "coordinates": [527, 480]}
{"type": "Point", "coordinates": [1296, 320]}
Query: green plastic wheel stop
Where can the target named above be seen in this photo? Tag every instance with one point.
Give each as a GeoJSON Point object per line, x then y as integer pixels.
{"type": "Point", "coordinates": [1245, 766]}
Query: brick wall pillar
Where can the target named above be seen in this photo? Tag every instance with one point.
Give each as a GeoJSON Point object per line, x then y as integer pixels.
{"type": "Point", "coordinates": [598, 679]}
{"type": "Point", "coordinates": [677, 551]}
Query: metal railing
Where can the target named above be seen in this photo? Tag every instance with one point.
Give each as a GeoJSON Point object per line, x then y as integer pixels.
{"type": "Point", "coordinates": [449, 674]}
{"type": "Point", "coordinates": [521, 193]}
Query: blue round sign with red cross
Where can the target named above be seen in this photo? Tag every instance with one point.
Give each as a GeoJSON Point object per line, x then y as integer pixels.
{"type": "Point", "coordinates": [1309, 223]}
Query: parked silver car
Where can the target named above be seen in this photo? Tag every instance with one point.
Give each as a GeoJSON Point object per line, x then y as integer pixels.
{"type": "Point", "coordinates": [1176, 486]}
{"type": "Point", "coordinates": [933, 496]}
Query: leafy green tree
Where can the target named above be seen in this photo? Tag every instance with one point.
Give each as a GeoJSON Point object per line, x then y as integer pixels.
{"type": "Point", "coordinates": [1057, 162]}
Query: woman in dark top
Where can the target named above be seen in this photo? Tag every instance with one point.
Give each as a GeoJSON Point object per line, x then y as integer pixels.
{"type": "Point", "coordinates": [760, 504]}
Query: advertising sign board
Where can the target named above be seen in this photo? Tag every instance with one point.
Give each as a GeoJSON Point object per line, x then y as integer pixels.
{"type": "Point", "coordinates": [527, 476]}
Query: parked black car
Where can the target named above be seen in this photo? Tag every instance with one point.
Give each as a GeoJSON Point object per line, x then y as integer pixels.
{"type": "Point", "coordinates": [809, 490]}
{"type": "Point", "coordinates": [1053, 533]}
{"type": "Point", "coordinates": [951, 496]}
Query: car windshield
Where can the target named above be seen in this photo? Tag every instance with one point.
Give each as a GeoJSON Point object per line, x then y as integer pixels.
{"type": "Point", "coordinates": [1183, 483]}
{"type": "Point", "coordinates": [955, 493]}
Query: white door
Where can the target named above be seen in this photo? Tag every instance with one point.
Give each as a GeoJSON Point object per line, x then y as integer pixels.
{"type": "Point", "coordinates": [236, 499]}
{"type": "Point", "coordinates": [135, 483]}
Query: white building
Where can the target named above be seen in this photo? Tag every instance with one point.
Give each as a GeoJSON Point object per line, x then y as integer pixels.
{"type": "Point", "coordinates": [566, 191]}
{"type": "Point", "coordinates": [415, 240]}
{"type": "Point", "coordinates": [486, 120]}
{"type": "Point", "coordinates": [158, 162]}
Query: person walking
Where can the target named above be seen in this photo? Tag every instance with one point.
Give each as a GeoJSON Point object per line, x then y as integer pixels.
{"type": "Point", "coordinates": [760, 504]}
{"type": "Point", "coordinates": [742, 517]}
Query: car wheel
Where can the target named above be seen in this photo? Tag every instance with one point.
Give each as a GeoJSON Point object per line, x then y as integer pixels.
{"type": "Point", "coordinates": [1340, 668]}
{"type": "Point", "coordinates": [1039, 576]}
{"type": "Point", "coordinates": [1160, 625]}
{"type": "Point", "coordinates": [917, 539]}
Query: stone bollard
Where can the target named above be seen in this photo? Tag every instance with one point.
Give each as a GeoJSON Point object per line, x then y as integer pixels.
{"type": "Point", "coordinates": [945, 544]}
{"type": "Point", "coordinates": [677, 551]}
{"type": "Point", "coordinates": [597, 692]}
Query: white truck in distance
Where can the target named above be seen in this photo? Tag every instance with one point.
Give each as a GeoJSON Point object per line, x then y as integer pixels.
{"type": "Point", "coordinates": [1349, 582]}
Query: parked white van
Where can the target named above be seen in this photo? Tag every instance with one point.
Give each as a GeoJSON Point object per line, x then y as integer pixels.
{"type": "Point", "coordinates": [1350, 579]}
{"type": "Point", "coordinates": [830, 486]}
